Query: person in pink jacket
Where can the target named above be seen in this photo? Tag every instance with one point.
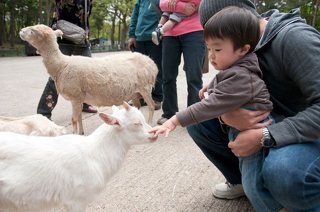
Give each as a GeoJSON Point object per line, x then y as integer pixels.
{"type": "Point", "coordinates": [186, 39]}
{"type": "Point", "coordinates": [169, 20]}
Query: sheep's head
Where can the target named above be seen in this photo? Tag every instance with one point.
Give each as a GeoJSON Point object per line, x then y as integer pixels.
{"type": "Point", "coordinates": [39, 35]}
{"type": "Point", "coordinates": [130, 123]}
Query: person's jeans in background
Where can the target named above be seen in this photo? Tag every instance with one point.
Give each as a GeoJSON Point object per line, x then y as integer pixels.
{"type": "Point", "coordinates": [192, 46]}
{"type": "Point", "coordinates": [155, 53]}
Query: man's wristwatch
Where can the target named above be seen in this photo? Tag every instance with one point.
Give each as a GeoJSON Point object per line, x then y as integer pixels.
{"type": "Point", "coordinates": [266, 140]}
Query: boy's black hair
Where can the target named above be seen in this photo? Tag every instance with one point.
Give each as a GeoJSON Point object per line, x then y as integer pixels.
{"type": "Point", "coordinates": [239, 25]}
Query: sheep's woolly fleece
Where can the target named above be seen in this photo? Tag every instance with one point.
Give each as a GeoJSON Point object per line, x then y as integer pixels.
{"type": "Point", "coordinates": [102, 81]}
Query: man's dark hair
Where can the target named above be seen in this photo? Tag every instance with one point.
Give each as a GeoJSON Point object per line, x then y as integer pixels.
{"type": "Point", "coordinates": [237, 24]}
{"type": "Point", "coordinates": [208, 8]}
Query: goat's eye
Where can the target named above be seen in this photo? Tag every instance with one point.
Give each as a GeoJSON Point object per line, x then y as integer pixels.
{"type": "Point", "coordinates": [137, 124]}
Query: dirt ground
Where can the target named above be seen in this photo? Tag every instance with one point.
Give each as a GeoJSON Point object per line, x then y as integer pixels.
{"type": "Point", "coordinates": [171, 174]}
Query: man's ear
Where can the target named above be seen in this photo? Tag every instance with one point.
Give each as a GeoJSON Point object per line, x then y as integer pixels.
{"type": "Point", "coordinates": [245, 49]}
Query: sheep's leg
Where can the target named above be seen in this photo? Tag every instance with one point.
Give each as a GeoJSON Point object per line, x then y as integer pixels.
{"type": "Point", "coordinates": [77, 118]}
{"type": "Point", "coordinates": [80, 125]}
{"type": "Point", "coordinates": [148, 99]}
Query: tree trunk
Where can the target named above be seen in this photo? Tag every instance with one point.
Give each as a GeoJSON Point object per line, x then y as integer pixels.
{"type": "Point", "coordinates": [12, 23]}
{"type": "Point", "coordinates": [2, 22]}
{"type": "Point", "coordinates": [124, 32]}
{"type": "Point", "coordinates": [315, 7]}
{"type": "Point", "coordinates": [113, 28]}
{"type": "Point", "coordinates": [119, 34]}
{"type": "Point", "coordinates": [40, 12]}
{"type": "Point", "coordinates": [49, 11]}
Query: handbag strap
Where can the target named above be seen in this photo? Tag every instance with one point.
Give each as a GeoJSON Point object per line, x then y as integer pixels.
{"type": "Point", "coordinates": [86, 18]}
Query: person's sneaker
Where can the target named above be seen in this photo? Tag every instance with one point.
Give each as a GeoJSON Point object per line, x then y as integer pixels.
{"type": "Point", "coordinates": [156, 36]}
{"type": "Point", "coordinates": [228, 191]}
{"type": "Point", "coordinates": [162, 120]}
{"type": "Point", "coordinates": [157, 105]}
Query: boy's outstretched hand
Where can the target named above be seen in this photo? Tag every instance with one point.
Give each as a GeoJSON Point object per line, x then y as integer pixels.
{"type": "Point", "coordinates": [166, 127]}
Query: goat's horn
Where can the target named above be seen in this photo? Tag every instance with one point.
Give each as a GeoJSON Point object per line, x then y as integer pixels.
{"type": "Point", "coordinates": [126, 105]}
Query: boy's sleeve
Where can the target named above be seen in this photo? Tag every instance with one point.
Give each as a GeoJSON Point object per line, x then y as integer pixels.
{"type": "Point", "coordinates": [225, 97]}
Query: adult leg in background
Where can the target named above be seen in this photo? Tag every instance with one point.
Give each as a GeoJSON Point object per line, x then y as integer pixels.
{"type": "Point", "coordinates": [48, 99]}
{"type": "Point", "coordinates": [171, 58]}
{"type": "Point", "coordinates": [193, 49]}
{"type": "Point", "coordinates": [155, 53]}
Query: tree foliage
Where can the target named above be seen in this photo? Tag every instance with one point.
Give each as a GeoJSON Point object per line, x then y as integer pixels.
{"type": "Point", "coordinates": [110, 18]}
{"type": "Point", "coordinates": [309, 8]}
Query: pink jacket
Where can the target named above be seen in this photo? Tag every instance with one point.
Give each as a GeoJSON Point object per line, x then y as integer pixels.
{"type": "Point", "coordinates": [189, 24]}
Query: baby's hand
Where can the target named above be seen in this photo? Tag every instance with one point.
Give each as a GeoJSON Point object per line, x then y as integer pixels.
{"type": "Point", "coordinates": [203, 91]}
{"type": "Point", "coordinates": [172, 5]}
{"type": "Point", "coordinates": [157, 130]}
{"type": "Point", "coordinates": [189, 8]}
{"type": "Point", "coordinates": [165, 128]}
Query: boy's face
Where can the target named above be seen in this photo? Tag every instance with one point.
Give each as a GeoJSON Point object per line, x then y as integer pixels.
{"type": "Point", "coordinates": [222, 54]}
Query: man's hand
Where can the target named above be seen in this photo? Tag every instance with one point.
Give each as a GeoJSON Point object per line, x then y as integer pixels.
{"type": "Point", "coordinates": [246, 143]}
{"type": "Point", "coordinates": [243, 119]}
{"type": "Point", "coordinates": [203, 90]}
{"type": "Point", "coordinates": [131, 41]}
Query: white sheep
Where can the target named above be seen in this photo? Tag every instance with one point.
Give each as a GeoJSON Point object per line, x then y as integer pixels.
{"type": "Point", "coordinates": [36, 125]}
{"type": "Point", "coordinates": [98, 81]}
{"type": "Point", "coordinates": [42, 173]}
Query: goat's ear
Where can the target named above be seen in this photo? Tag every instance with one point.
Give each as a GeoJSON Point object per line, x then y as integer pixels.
{"type": "Point", "coordinates": [108, 119]}
{"type": "Point", "coordinates": [58, 33]}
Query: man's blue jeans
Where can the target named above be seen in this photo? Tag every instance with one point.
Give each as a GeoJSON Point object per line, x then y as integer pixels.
{"type": "Point", "coordinates": [191, 46]}
{"type": "Point", "coordinates": [291, 174]}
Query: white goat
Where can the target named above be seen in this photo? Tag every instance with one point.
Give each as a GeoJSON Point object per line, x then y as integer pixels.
{"type": "Point", "coordinates": [40, 173]}
{"type": "Point", "coordinates": [98, 81]}
{"type": "Point", "coordinates": [36, 125]}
